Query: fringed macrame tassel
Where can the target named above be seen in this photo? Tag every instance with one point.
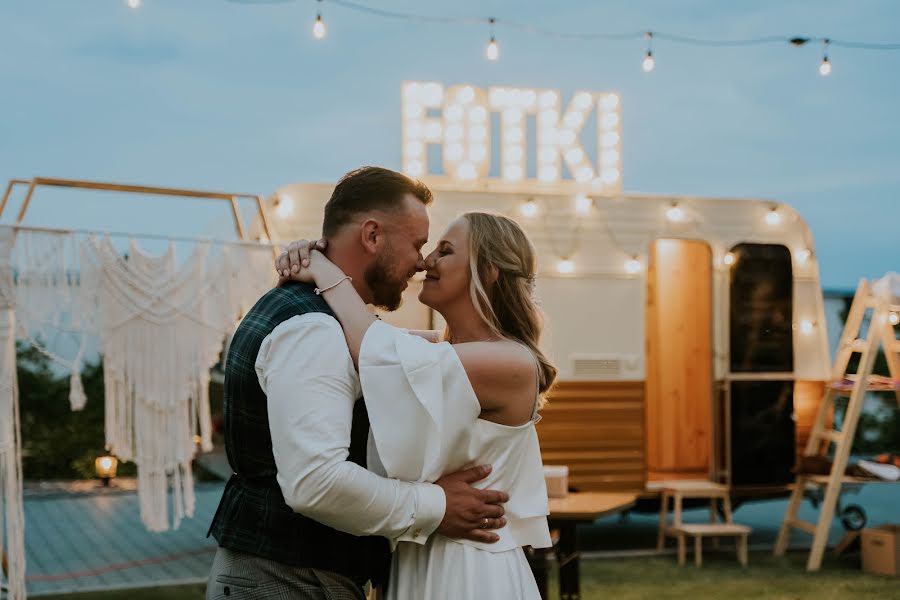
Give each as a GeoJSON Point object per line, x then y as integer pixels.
{"type": "Point", "coordinates": [13, 516]}
{"type": "Point", "coordinates": [77, 397]}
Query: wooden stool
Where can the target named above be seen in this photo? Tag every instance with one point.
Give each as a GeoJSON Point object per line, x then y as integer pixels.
{"type": "Point", "coordinates": [677, 491]}
{"type": "Point", "coordinates": [715, 531]}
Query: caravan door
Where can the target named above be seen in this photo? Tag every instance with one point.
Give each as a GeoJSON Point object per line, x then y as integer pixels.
{"type": "Point", "coordinates": [679, 379]}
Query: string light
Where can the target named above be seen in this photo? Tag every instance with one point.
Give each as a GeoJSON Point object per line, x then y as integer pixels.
{"type": "Point", "coordinates": [493, 51]}
{"type": "Point", "coordinates": [806, 326]}
{"type": "Point", "coordinates": [319, 25]}
{"type": "Point", "coordinates": [894, 318]}
{"type": "Point", "coordinates": [728, 259]}
{"type": "Point", "coordinates": [648, 63]}
{"type": "Point", "coordinates": [825, 66]}
{"type": "Point", "coordinates": [583, 204]}
{"type": "Point", "coordinates": [565, 266]}
{"type": "Point", "coordinates": [633, 265]}
{"type": "Point", "coordinates": [675, 213]}
{"type": "Point", "coordinates": [284, 208]}
{"type": "Point", "coordinates": [773, 217]}
{"type": "Point", "coordinates": [134, 3]}
{"type": "Point", "coordinates": [801, 255]}
{"type": "Point", "coordinates": [529, 209]}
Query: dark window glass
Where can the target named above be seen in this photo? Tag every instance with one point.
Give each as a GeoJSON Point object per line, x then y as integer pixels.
{"type": "Point", "coordinates": [761, 319]}
{"type": "Point", "coordinates": [763, 446]}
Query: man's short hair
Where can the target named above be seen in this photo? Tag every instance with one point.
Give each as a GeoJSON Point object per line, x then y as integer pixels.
{"type": "Point", "coordinates": [367, 189]}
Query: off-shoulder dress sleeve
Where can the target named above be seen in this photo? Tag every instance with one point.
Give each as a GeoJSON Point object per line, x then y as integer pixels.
{"type": "Point", "coordinates": [419, 400]}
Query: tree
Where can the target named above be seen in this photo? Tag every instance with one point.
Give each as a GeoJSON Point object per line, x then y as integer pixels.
{"type": "Point", "coordinates": [57, 442]}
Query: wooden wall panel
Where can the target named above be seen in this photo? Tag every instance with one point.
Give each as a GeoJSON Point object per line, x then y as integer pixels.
{"type": "Point", "coordinates": [807, 397]}
{"type": "Point", "coordinates": [596, 429]}
{"type": "Point", "coordinates": [679, 359]}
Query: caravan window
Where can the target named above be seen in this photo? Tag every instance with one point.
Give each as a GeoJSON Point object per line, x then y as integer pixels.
{"type": "Point", "coordinates": [761, 309]}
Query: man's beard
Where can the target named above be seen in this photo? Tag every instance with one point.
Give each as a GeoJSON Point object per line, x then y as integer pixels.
{"type": "Point", "coordinates": [387, 289]}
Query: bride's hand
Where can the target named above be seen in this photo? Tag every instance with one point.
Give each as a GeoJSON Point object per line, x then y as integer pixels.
{"type": "Point", "coordinates": [292, 263]}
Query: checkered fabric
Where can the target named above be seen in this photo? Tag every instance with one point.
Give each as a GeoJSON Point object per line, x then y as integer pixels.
{"type": "Point", "coordinates": [253, 517]}
{"type": "Point", "coordinates": [239, 576]}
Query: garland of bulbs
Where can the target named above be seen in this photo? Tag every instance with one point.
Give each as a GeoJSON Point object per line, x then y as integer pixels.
{"type": "Point", "coordinates": [492, 50]}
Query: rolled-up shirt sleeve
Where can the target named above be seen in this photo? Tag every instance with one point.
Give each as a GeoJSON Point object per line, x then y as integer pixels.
{"type": "Point", "coordinates": [307, 374]}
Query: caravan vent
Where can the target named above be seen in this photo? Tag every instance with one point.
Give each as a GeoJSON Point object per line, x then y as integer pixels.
{"type": "Point", "coordinates": [598, 367]}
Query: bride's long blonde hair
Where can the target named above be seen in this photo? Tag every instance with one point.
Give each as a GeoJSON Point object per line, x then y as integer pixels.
{"type": "Point", "coordinates": [507, 305]}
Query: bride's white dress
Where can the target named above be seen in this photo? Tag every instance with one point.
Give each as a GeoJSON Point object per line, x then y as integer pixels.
{"type": "Point", "coordinates": [424, 424]}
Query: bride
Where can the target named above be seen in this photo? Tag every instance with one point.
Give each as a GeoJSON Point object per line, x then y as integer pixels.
{"type": "Point", "coordinates": [442, 401]}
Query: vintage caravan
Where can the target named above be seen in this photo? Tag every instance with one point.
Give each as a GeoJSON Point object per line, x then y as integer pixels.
{"type": "Point", "coordinates": [689, 332]}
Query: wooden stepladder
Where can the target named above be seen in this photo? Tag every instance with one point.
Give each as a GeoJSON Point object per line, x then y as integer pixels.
{"type": "Point", "coordinates": [880, 333]}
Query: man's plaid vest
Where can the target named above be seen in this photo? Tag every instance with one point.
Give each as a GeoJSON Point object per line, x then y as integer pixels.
{"type": "Point", "coordinates": [252, 516]}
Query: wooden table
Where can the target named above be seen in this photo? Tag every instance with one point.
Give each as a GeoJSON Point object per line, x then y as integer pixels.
{"type": "Point", "coordinates": [565, 514]}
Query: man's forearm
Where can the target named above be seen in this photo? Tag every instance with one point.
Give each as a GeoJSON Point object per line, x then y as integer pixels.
{"type": "Point", "coordinates": [349, 498]}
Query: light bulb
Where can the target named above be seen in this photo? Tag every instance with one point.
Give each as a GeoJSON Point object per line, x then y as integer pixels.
{"type": "Point", "coordinates": [825, 67]}
{"type": "Point", "coordinates": [728, 259]}
{"type": "Point", "coordinates": [583, 204]}
{"type": "Point", "coordinates": [894, 318]}
{"type": "Point", "coordinates": [529, 209]}
{"type": "Point", "coordinates": [773, 217]}
{"type": "Point", "coordinates": [801, 255]}
{"type": "Point", "coordinates": [285, 208]}
{"type": "Point", "coordinates": [648, 63]}
{"type": "Point", "coordinates": [565, 266]}
{"type": "Point", "coordinates": [134, 3]}
{"type": "Point", "coordinates": [319, 28]}
{"type": "Point", "coordinates": [609, 176]}
{"type": "Point", "coordinates": [467, 172]}
{"type": "Point", "coordinates": [548, 174]}
{"type": "Point", "coordinates": [513, 173]}
{"type": "Point", "coordinates": [806, 326]}
{"type": "Point", "coordinates": [675, 213]}
{"type": "Point", "coordinates": [415, 168]}
{"type": "Point", "coordinates": [493, 51]}
{"type": "Point", "coordinates": [633, 265]}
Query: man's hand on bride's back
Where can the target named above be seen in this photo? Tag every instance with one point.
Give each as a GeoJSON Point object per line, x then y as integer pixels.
{"type": "Point", "coordinates": [292, 264]}
{"type": "Point", "coordinates": [471, 513]}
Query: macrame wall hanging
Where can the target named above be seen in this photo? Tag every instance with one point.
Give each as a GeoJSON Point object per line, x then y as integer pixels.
{"type": "Point", "coordinates": [12, 516]}
{"type": "Point", "coordinates": [161, 330]}
{"type": "Point", "coordinates": [161, 327]}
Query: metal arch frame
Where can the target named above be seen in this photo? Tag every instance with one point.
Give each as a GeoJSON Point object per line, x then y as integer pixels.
{"type": "Point", "coordinates": [232, 198]}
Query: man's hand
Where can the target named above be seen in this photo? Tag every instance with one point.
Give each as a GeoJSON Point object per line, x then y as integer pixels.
{"type": "Point", "coordinates": [471, 513]}
{"type": "Point", "coordinates": [296, 257]}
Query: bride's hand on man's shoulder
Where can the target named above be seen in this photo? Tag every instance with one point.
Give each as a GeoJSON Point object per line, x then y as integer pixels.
{"type": "Point", "coordinates": [293, 264]}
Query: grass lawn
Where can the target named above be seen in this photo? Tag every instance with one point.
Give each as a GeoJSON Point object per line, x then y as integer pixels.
{"type": "Point", "coordinates": [643, 578]}
{"type": "Point", "coordinates": [721, 577]}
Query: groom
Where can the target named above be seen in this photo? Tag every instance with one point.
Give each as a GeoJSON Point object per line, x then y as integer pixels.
{"type": "Point", "coordinates": [301, 517]}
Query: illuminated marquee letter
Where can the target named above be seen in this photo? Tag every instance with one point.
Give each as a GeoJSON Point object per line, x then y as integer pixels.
{"type": "Point", "coordinates": [467, 133]}
{"type": "Point", "coordinates": [513, 105]}
{"type": "Point", "coordinates": [418, 128]}
{"type": "Point", "coordinates": [464, 131]}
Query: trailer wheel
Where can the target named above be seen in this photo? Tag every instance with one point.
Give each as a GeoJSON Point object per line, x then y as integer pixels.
{"type": "Point", "coordinates": [853, 517]}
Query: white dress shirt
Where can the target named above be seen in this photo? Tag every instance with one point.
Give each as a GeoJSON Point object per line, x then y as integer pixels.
{"type": "Point", "coordinates": [307, 374]}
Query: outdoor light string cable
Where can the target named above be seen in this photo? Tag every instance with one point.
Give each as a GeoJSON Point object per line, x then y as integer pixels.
{"type": "Point", "coordinates": [606, 36]}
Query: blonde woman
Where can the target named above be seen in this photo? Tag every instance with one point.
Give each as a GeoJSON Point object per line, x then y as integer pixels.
{"type": "Point", "coordinates": [441, 401]}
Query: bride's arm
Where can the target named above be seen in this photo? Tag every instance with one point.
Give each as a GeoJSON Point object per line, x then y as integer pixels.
{"type": "Point", "coordinates": [502, 375]}
{"type": "Point", "coordinates": [347, 305]}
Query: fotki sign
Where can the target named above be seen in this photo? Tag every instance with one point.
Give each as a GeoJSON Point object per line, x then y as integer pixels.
{"type": "Point", "coordinates": [458, 120]}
